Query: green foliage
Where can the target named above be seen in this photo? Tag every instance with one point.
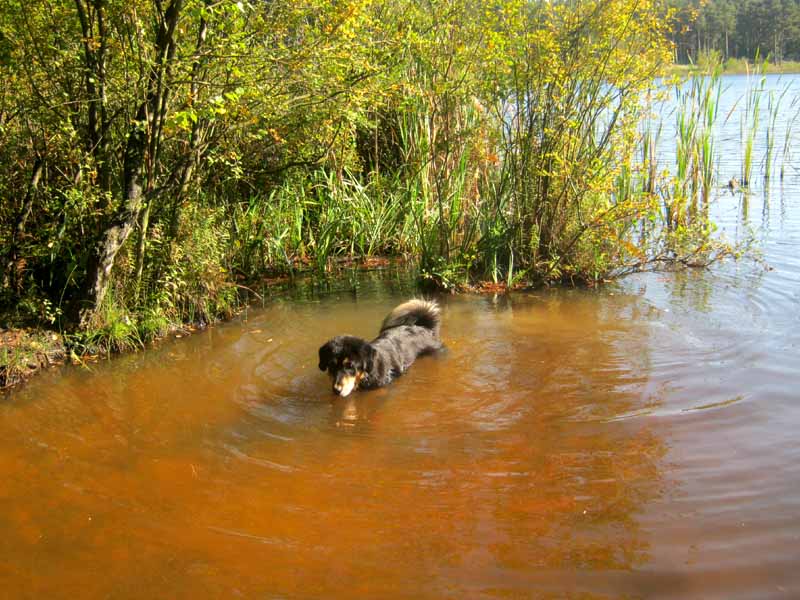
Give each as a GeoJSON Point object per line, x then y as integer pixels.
{"type": "Point", "coordinates": [173, 152]}
{"type": "Point", "coordinates": [113, 330]}
{"type": "Point", "coordinates": [194, 285]}
{"type": "Point", "coordinates": [152, 324]}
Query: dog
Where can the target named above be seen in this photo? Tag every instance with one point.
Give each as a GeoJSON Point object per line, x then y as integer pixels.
{"type": "Point", "coordinates": [410, 330]}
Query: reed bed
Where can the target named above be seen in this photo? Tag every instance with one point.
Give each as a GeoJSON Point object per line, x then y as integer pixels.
{"type": "Point", "coordinates": [697, 107]}
{"type": "Point", "coordinates": [468, 204]}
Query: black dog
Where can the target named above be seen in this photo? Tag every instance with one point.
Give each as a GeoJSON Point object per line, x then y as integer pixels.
{"type": "Point", "coordinates": [409, 330]}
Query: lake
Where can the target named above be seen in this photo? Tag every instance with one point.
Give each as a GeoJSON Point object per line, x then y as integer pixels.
{"type": "Point", "coordinates": [635, 441]}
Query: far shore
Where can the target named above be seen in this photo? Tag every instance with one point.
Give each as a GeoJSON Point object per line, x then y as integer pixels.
{"type": "Point", "coordinates": [739, 67]}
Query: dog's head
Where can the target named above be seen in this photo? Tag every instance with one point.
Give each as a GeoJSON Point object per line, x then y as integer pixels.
{"type": "Point", "coordinates": [348, 360]}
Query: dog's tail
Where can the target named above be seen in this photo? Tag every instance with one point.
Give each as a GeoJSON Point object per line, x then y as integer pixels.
{"type": "Point", "coordinates": [423, 313]}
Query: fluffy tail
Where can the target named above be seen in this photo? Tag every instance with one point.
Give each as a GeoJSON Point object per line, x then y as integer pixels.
{"type": "Point", "coordinates": [423, 313]}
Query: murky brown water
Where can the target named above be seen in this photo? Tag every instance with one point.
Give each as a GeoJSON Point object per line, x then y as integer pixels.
{"type": "Point", "coordinates": [640, 441]}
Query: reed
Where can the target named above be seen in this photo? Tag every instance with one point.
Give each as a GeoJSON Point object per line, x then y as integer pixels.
{"type": "Point", "coordinates": [651, 134]}
{"type": "Point", "coordinates": [787, 134]}
{"type": "Point", "coordinates": [269, 230]}
{"type": "Point", "coordinates": [711, 91]}
{"type": "Point", "coordinates": [773, 110]}
{"type": "Point", "coordinates": [650, 138]}
{"type": "Point", "coordinates": [441, 195]}
{"type": "Point", "coordinates": [696, 115]}
{"type": "Point", "coordinates": [313, 219]}
{"type": "Point", "coordinates": [749, 121]}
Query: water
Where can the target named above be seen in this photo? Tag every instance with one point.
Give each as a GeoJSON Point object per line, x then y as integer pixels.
{"type": "Point", "coordinates": [637, 441]}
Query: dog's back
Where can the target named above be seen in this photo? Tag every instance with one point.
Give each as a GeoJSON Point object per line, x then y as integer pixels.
{"type": "Point", "coordinates": [408, 331]}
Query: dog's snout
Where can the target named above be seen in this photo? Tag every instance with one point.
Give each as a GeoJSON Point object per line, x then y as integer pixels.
{"type": "Point", "coordinates": [344, 384]}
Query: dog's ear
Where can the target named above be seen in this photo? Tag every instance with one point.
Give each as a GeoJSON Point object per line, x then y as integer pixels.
{"type": "Point", "coordinates": [325, 355]}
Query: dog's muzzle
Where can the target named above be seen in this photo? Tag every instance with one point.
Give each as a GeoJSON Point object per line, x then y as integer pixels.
{"type": "Point", "coordinates": [344, 385]}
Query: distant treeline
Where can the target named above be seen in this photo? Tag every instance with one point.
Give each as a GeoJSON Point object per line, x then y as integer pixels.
{"type": "Point", "coordinates": [737, 29]}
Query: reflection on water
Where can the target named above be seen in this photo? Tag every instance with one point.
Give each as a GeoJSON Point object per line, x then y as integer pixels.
{"type": "Point", "coordinates": [633, 442]}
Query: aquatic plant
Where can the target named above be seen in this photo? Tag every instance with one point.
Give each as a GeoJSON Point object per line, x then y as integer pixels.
{"type": "Point", "coordinates": [749, 120]}
{"type": "Point", "coordinates": [787, 134]}
{"type": "Point", "coordinates": [651, 136]}
{"type": "Point", "coordinates": [697, 106]}
{"type": "Point", "coordinates": [773, 110]}
{"type": "Point", "coordinates": [711, 90]}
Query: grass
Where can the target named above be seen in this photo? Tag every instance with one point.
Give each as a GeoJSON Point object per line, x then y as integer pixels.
{"type": "Point", "coordinates": [773, 110]}
{"type": "Point", "coordinates": [696, 114]}
{"type": "Point", "coordinates": [114, 330]}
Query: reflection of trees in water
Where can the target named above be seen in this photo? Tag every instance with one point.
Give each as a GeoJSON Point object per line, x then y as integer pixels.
{"type": "Point", "coordinates": [690, 289]}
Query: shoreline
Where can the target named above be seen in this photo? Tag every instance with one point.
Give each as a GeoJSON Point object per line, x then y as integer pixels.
{"type": "Point", "coordinates": [31, 348]}
{"type": "Point", "coordinates": [737, 67]}
{"type": "Point", "coordinates": [28, 350]}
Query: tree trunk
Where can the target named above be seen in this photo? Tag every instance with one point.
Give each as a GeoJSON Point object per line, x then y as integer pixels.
{"type": "Point", "coordinates": [140, 138]}
{"type": "Point", "coordinates": [727, 52]}
{"type": "Point", "coordinates": [123, 222]}
{"type": "Point", "coordinates": [142, 248]}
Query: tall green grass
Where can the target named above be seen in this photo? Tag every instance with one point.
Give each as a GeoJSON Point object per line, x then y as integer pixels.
{"type": "Point", "coordinates": [787, 137]}
{"type": "Point", "coordinates": [697, 108]}
{"type": "Point", "coordinates": [312, 220]}
{"type": "Point", "coordinates": [442, 180]}
{"type": "Point", "coordinates": [774, 100]}
{"type": "Point", "coordinates": [749, 122]}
